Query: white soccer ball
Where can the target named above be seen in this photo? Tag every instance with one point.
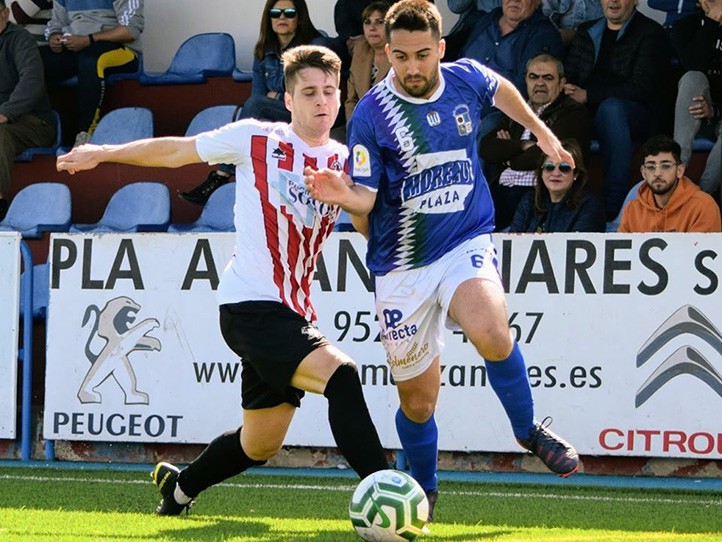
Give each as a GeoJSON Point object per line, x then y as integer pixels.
{"type": "Point", "coordinates": [388, 506]}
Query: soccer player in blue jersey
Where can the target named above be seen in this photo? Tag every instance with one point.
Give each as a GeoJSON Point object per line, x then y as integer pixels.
{"type": "Point", "coordinates": [420, 197]}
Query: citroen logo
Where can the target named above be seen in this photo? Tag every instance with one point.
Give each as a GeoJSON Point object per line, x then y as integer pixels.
{"type": "Point", "coordinates": [684, 360]}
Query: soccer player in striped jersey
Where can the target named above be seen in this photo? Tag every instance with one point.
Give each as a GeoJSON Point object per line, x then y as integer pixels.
{"type": "Point", "coordinates": [422, 200]}
{"type": "Point", "coordinates": [266, 315]}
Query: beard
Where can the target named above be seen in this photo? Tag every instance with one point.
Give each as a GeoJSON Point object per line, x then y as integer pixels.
{"type": "Point", "coordinates": [423, 90]}
{"type": "Point", "coordinates": [662, 190]}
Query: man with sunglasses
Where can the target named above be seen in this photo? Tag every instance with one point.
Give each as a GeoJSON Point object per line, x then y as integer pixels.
{"type": "Point", "coordinates": [511, 149]}
{"type": "Point", "coordinates": [421, 197]}
{"type": "Point", "coordinates": [668, 201]}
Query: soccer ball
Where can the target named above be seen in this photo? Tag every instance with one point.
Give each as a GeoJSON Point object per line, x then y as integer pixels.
{"type": "Point", "coordinates": [388, 506]}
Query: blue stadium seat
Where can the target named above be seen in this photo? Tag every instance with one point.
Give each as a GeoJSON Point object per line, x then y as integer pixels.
{"type": "Point", "coordinates": [123, 125]}
{"type": "Point", "coordinates": [41, 291]}
{"type": "Point", "coordinates": [28, 154]}
{"type": "Point", "coordinates": [344, 222]}
{"type": "Point", "coordinates": [241, 76]}
{"type": "Point", "coordinates": [211, 118]}
{"type": "Point", "coordinates": [38, 208]}
{"type": "Point", "coordinates": [217, 214]}
{"type": "Point", "coordinates": [199, 57]}
{"type": "Point", "coordinates": [137, 207]}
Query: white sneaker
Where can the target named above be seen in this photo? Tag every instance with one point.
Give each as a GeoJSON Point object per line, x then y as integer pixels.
{"type": "Point", "coordinates": [81, 139]}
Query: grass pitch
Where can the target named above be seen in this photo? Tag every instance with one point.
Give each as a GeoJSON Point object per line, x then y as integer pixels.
{"type": "Point", "coordinates": [76, 505]}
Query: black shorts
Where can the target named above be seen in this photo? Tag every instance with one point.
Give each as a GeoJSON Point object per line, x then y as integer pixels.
{"type": "Point", "coordinates": [272, 341]}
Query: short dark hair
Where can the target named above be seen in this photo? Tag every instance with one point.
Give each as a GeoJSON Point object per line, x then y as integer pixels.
{"type": "Point", "coordinates": [661, 143]}
{"type": "Point", "coordinates": [309, 56]}
{"type": "Point", "coordinates": [546, 57]}
{"type": "Point", "coordinates": [2, 4]}
{"type": "Point", "coordinates": [413, 15]}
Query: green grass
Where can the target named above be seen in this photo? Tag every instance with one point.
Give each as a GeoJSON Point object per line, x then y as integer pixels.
{"type": "Point", "coordinates": [70, 505]}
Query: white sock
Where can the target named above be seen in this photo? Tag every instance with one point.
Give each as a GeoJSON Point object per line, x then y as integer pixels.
{"type": "Point", "coordinates": [179, 496]}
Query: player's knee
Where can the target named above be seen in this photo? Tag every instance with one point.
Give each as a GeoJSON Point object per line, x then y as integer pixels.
{"type": "Point", "coordinates": [262, 451]}
{"type": "Point", "coordinates": [344, 382]}
{"type": "Point", "coordinates": [418, 407]}
{"type": "Point", "coordinates": [495, 344]}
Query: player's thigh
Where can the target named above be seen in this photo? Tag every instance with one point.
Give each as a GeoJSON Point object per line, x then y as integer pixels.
{"type": "Point", "coordinates": [418, 395]}
{"type": "Point", "coordinates": [314, 372]}
{"type": "Point", "coordinates": [264, 430]}
{"type": "Point", "coordinates": [411, 320]}
{"type": "Point", "coordinates": [474, 297]}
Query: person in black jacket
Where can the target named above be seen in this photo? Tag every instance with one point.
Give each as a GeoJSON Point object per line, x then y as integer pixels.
{"type": "Point", "coordinates": [560, 201]}
{"type": "Point", "coordinates": [698, 42]}
{"type": "Point", "coordinates": [513, 149]}
{"type": "Point", "coordinates": [26, 119]}
{"type": "Point", "coordinates": [617, 66]}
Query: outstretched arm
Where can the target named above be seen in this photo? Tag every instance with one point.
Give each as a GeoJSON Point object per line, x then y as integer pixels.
{"type": "Point", "coordinates": [154, 152]}
{"type": "Point", "coordinates": [337, 188]}
{"type": "Point", "coordinates": [510, 102]}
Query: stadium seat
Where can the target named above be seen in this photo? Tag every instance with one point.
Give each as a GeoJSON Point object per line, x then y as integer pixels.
{"type": "Point", "coordinates": [38, 208]}
{"type": "Point", "coordinates": [211, 118]}
{"type": "Point", "coordinates": [217, 214]}
{"type": "Point", "coordinates": [41, 291]}
{"type": "Point", "coordinates": [123, 125]}
{"type": "Point", "coordinates": [27, 154]}
{"type": "Point", "coordinates": [344, 222]}
{"type": "Point", "coordinates": [241, 76]}
{"type": "Point", "coordinates": [199, 57]}
{"type": "Point", "coordinates": [137, 207]}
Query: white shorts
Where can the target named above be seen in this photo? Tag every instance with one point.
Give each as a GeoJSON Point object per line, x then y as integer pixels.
{"type": "Point", "coordinates": [413, 304]}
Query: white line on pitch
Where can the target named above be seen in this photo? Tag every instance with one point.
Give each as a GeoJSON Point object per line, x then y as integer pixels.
{"type": "Point", "coordinates": [498, 494]}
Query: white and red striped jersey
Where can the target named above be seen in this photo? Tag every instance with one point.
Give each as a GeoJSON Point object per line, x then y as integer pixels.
{"type": "Point", "coordinates": [280, 230]}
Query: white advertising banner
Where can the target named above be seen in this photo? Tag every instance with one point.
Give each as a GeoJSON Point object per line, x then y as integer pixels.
{"type": "Point", "coordinates": [9, 307]}
{"type": "Point", "coordinates": [620, 333]}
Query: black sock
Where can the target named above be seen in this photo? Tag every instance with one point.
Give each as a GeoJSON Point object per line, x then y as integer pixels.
{"type": "Point", "coordinates": [351, 424]}
{"type": "Point", "coordinates": [224, 457]}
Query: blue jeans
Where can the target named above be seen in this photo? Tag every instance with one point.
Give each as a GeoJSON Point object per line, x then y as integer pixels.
{"type": "Point", "coordinates": [618, 124]}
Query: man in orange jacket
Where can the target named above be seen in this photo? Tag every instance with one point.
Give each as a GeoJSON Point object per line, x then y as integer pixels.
{"type": "Point", "coordinates": [668, 201]}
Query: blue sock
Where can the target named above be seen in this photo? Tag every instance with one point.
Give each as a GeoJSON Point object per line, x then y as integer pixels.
{"type": "Point", "coordinates": [510, 381]}
{"type": "Point", "coordinates": [421, 444]}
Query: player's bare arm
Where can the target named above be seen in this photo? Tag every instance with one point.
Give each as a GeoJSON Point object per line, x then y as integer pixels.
{"type": "Point", "coordinates": [337, 188]}
{"type": "Point", "coordinates": [510, 102]}
{"type": "Point", "coordinates": [153, 152]}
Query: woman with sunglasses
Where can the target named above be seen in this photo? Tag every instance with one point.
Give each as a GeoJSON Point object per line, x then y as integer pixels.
{"type": "Point", "coordinates": [560, 201]}
{"type": "Point", "coordinates": [284, 24]}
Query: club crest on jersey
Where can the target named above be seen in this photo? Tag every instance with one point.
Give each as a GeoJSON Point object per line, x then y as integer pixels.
{"type": "Point", "coordinates": [279, 154]}
{"type": "Point", "coordinates": [462, 117]}
{"type": "Point", "coordinates": [433, 118]}
{"type": "Point", "coordinates": [361, 161]}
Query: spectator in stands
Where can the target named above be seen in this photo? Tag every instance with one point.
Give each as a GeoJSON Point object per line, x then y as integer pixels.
{"type": "Point", "coordinates": [617, 66]}
{"type": "Point", "coordinates": [284, 24]}
{"type": "Point", "coordinates": [560, 201]}
{"type": "Point", "coordinates": [25, 116]}
{"type": "Point", "coordinates": [675, 10]}
{"type": "Point", "coordinates": [513, 149]}
{"type": "Point", "coordinates": [469, 12]}
{"type": "Point", "coordinates": [699, 98]}
{"type": "Point", "coordinates": [87, 38]}
{"type": "Point", "coordinates": [568, 15]}
{"type": "Point", "coordinates": [505, 39]}
{"type": "Point", "coordinates": [348, 20]}
{"type": "Point", "coordinates": [370, 63]}
{"type": "Point", "coordinates": [33, 15]}
{"type": "Point", "coordinates": [668, 201]}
